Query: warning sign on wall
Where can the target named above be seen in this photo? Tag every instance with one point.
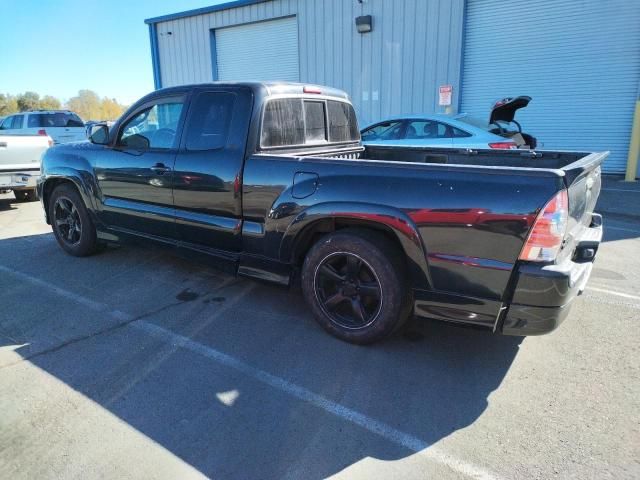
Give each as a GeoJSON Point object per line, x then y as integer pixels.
{"type": "Point", "coordinates": [445, 92]}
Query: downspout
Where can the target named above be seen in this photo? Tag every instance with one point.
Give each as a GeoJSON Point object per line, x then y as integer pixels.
{"type": "Point", "coordinates": [155, 56]}
{"type": "Point", "coordinates": [634, 144]}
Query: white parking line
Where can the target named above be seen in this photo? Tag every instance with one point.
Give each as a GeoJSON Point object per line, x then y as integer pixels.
{"type": "Point", "coordinates": [613, 292]}
{"type": "Point", "coordinates": [399, 438]}
{"type": "Point", "coordinates": [607, 227]}
{"type": "Point", "coordinates": [620, 190]}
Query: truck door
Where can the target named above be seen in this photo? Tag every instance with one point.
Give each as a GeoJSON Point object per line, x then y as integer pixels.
{"type": "Point", "coordinates": [208, 169]}
{"type": "Point", "coordinates": [135, 174]}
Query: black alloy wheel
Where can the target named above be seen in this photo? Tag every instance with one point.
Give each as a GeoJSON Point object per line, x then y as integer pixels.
{"type": "Point", "coordinates": [355, 282]}
{"type": "Point", "coordinates": [348, 290]}
{"type": "Point", "coordinates": [67, 221]}
{"type": "Point", "coordinates": [71, 221]}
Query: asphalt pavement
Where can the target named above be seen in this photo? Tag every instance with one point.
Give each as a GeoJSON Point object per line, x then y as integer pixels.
{"type": "Point", "coordinates": [135, 363]}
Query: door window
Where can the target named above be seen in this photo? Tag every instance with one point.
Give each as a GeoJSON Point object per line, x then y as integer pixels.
{"type": "Point", "coordinates": [6, 123]}
{"type": "Point", "coordinates": [383, 131]}
{"type": "Point", "coordinates": [13, 122]}
{"type": "Point", "coordinates": [427, 129]}
{"type": "Point", "coordinates": [209, 122]}
{"type": "Point", "coordinates": [153, 127]}
{"type": "Point", "coordinates": [57, 119]}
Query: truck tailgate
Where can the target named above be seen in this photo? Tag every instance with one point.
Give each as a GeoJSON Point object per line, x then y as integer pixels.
{"type": "Point", "coordinates": [21, 151]}
{"type": "Point", "coordinates": [583, 182]}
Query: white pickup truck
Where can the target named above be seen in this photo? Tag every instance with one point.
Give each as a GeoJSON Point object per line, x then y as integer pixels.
{"type": "Point", "coordinates": [20, 163]}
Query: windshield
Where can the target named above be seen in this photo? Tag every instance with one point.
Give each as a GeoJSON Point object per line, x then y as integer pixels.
{"type": "Point", "coordinates": [58, 119]}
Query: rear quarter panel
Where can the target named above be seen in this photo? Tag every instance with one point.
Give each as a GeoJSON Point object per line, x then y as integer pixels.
{"type": "Point", "coordinates": [470, 222]}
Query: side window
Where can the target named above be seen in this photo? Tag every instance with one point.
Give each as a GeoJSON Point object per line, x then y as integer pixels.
{"type": "Point", "coordinates": [283, 123]}
{"type": "Point", "coordinates": [154, 127]}
{"type": "Point", "coordinates": [209, 121]}
{"type": "Point", "coordinates": [17, 121]}
{"type": "Point", "coordinates": [457, 133]}
{"type": "Point", "coordinates": [383, 131]}
{"type": "Point", "coordinates": [315, 123]}
{"type": "Point", "coordinates": [427, 129]}
{"type": "Point", "coordinates": [6, 123]}
{"type": "Point", "coordinates": [33, 120]}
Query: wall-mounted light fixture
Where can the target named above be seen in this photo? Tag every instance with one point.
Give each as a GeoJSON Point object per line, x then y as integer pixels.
{"type": "Point", "coordinates": [364, 23]}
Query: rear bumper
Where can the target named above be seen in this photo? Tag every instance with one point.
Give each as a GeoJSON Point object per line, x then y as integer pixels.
{"type": "Point", "coordinates": [18, 180]}
{"type": "Point", "coordinates": [543, 294]}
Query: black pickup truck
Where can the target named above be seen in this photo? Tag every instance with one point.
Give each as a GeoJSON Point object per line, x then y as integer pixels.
{"type": "Point", "coordinates": [271, 181]}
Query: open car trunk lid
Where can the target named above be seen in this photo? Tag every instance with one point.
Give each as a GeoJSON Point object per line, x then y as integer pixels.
{"type": "Point", "coordinates": [505, 110]}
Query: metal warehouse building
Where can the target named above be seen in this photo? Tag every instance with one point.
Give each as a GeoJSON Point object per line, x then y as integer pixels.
{"type": "Point", "coordinates": [578, 59]}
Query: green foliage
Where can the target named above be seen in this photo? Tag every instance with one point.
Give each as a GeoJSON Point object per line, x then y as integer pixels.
{"type": "Point", "coordinates": [8, 105]}
{"type": "Point", "coordinates": [87, 104]}
{"type": "Point", "coordinates": [28, 101]}
{"type": "Point", "coordinates": [49, 103]}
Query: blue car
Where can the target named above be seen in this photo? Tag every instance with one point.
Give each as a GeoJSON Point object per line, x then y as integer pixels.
{"type": "Point", "coordinates": [454, 131]}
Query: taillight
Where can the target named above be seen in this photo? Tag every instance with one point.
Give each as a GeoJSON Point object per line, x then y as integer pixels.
{"type": "Point", "coordinates": [308, 89]}
{"type": "Point", "coordinates": [547, 234]}
{"type": "Point", "coordinates": [503, 145]}
{"type": "Point", "coordinates": [42, 131]}
{"type": "Point", "coordinates": [50, 140]}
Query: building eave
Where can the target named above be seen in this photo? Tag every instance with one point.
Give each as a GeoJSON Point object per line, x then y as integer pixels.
{"type": "Point", "coordinates": [203, 10]}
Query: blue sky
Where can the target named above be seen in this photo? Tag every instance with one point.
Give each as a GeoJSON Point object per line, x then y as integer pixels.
{"type": "Point", "coordinates": [59, 47]}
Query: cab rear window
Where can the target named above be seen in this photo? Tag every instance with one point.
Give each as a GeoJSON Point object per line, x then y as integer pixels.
{"type": "Point", "coordinates": [295, 122]}
{"type": "Point", "coordinates": [58, 119]}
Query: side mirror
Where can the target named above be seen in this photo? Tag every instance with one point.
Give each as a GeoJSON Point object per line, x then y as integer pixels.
{"type": "Point", "coordinates": [99, 134]}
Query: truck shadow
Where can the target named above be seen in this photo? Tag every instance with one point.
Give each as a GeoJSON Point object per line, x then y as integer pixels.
{"type": "Point", "coordinates": [428, 382]}
{"type": "Point", "coordinates": [6, 202]}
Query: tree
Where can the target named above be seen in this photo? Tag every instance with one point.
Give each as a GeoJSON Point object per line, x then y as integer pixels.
{"type": "Point", "coordinates": [87, 104]}
{"type": "Point", "coordinates": [111, 109]}
{"type": "Point", "coordinates": [28, 101]}
{"type": "Point", "coordinates": [8, 105]}
{"type": "Point", "coordinates": [49, 103]}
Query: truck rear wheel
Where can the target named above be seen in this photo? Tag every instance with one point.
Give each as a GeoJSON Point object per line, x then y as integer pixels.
{"type": "Point", "coordinates": [356, 285]}
{"type": "Point", "coordinates": [72, 226]}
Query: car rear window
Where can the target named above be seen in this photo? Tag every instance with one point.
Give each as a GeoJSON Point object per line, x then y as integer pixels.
{"type": "Point", "coordinates": [294, 121]}
{"type": "Point", "coordinates": [58, 119]}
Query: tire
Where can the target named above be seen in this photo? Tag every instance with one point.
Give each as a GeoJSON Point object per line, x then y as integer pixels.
{"type": "Point", "coordinates": [25, 195]}
{"type": "Point", "coordinates": [340, 277]}
{"type": "Point", "coordinates": [68, 214]}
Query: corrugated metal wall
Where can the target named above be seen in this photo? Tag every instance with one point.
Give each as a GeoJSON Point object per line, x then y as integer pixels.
{"type": "Point", "coordinates": [414, 47]}
{"type": "Point", "coordinates": [579, 60]}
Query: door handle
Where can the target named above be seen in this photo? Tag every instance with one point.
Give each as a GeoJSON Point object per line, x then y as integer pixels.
{"type": "Point", "coordinates": [160, 168]}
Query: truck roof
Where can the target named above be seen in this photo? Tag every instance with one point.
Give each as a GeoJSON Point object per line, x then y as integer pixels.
{"type": "Point", "coordinates": [268, 88]}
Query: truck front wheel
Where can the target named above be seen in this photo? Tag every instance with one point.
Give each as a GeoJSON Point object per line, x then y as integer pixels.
{"type": "Point", "coordinates": [355, 282]}
{"type": "Point", "coordinates": [71, 223]}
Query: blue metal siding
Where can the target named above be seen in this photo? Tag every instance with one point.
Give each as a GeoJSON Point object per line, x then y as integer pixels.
{"type": "Point", "coordinates": [580, 61]}
{"type": "Point", "coordinates": [155, 58]}
{"type": "Point", "coordinates": [414, 47]}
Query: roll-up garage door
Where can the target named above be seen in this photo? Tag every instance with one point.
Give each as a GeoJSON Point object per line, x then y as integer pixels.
{"type": "Point", "coordinates": [258, 51]}
{"type": "Point", "coordinates": [579, 61]}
